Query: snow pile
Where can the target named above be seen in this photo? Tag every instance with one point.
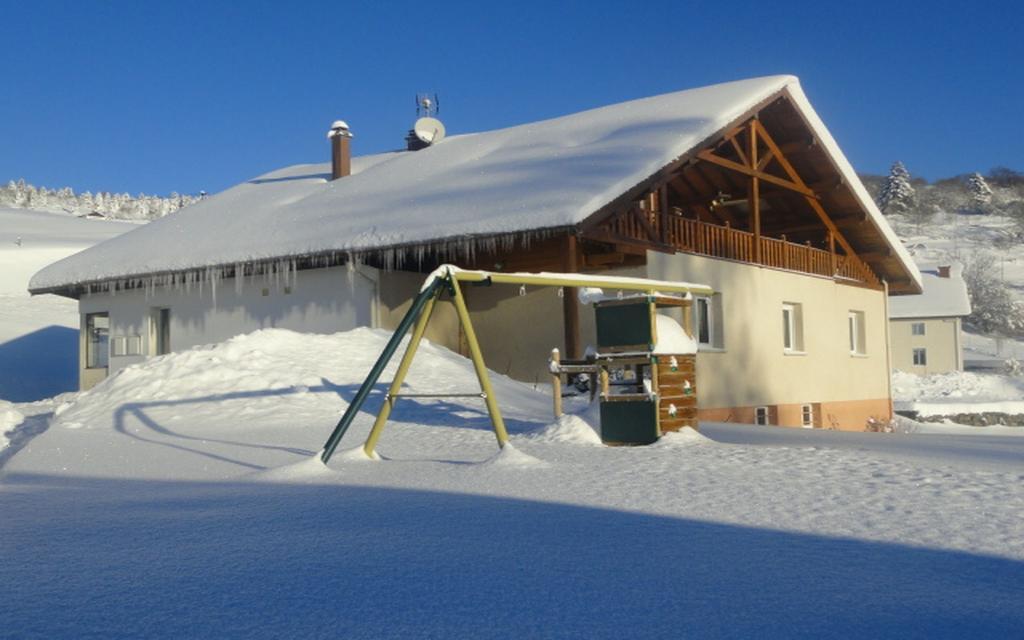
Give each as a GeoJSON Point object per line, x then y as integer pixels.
{"type": "Point", "coordinates": [672, 338]}
{"type": "Point", "coordinates": [957, 392]}
{"type": "Point", "coordinates": [511, 457]}
{"type": "Point", "coordinates": [9, 418]}
{"type": "Point", "coordinates": [263, 391]}
{"type": "Point", "coordinates": [685, 437]}
{"type": "Point", "coordinates": [578, 429]}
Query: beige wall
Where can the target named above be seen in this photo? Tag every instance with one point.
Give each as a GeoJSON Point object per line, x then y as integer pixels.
{"type": "Point", "coordinates": [517, 332]}
{"type": "Point", "coordinates": [941, 339]}
{"type": "Point", "coordinates": [752, 368]}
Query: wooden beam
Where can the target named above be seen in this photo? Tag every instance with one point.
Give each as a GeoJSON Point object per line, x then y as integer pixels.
{"type": "Point", "coordinates": [641, 217]}
{"type": "Point", "coordinates": [763, 162]}
{"type": "Point", "coordinates": [708, 156]}
{"type": "Point", "coordinates": [663, 211]}
{"type": "Point", "coordinates": [811, 199]}
{"type": "Point", "coordinates": [739, 151]}
{"type": "Point", "coordinates": [754, 197]}
{"type": "Point", "coordinates": [570, 305]}
{"type": "Point", "coordinates": [623, 244]}
{"type": "Point", "coordinates": [604, 259]}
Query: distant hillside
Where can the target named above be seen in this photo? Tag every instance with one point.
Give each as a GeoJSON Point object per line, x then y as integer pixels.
{"type": "Point", "coordinates": [975, 219]}
{"type": "Point", "coordinates": [116, 206]}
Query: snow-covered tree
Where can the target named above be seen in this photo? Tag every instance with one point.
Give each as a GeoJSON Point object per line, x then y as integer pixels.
{"type": "Point", "coordinates": [981, 194]}
{"type": "Point", "coordinates": [897, 195]}
{"type": "Point", "coordinates": [993, 309]}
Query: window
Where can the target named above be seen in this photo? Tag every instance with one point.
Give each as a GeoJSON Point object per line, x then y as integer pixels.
{"type": "Point", "coordinates": [761, 415]}
{"type": "Point", "coordinates": [807, 415]}
{"type": "Point", "coordinates": [792, 327]}
{"type": "Point", "coordinates": [856, 330]}
{"type": "Point", "coordinates": [707, 321]}
{"type": "Point", "coordinates": [97, 340]}
{"type": "Point", "coordinates": [703, 328]}
{"type": "Point", "coordinates": [917, 329]}
{"type": "Point", "coordinates": [921, 357]}
{"type": "Point", "coordinates": [159, 331]}
{"type": "Point", "coordinates": [125, 346]}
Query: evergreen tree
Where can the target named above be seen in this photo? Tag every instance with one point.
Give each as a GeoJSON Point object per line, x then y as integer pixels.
{"type": "Point", "coordinates": [897, 194]}
{"type": "Point", "coordinates": [981, 194]}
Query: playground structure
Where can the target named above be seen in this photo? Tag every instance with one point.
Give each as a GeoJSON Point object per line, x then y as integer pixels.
{"type": "Point", "coordinates": [447, 279]}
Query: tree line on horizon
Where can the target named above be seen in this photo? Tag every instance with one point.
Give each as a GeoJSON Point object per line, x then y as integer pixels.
{"type": "Point", "coordinates": [118, 206]}
{"type": "Point", "coordinates": [1000, 192]}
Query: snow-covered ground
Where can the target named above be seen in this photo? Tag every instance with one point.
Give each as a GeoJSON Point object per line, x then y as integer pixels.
{"type": "Point", "coordinates": [39, 336]}
{"type": "Point", "coordinates": [958, 392]}
{"type": "Point", "coordinates": [183, 497]}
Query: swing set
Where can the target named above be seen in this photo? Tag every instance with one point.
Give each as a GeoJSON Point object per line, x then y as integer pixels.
{"type": "Point", "coordinates": [446, 279]}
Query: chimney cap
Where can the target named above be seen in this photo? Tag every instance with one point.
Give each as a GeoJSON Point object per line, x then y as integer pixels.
{"type": "Point", "coordinates": [339, 128]}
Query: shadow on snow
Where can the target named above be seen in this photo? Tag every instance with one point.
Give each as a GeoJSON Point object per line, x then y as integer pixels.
{"type": "Point", "coordinates": [91, 557]}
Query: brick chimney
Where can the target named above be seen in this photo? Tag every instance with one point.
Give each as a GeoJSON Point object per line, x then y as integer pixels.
{"type": "Point", "coordinates": [341, 149]}
{"type": "Point", "coordinates": [944, 271]}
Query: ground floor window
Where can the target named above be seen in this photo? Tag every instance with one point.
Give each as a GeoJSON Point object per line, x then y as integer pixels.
{"type": "Point", "coordinates": [807, 415]}
{"type": "Point", "coordinates": [761, 415]}
{"type": "Point", "coordinates": [97, 340]}
{"type": "Point", "coordinates": [920, 356]}
{"type": "Point", "coordinates": [160, 331]}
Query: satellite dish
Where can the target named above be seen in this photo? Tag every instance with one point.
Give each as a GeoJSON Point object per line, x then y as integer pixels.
{"type": "Point", "coordinates": [429, 130]}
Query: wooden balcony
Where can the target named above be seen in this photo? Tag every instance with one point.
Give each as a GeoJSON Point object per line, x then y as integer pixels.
{"type": "Point", "coordinates": [702, 238]}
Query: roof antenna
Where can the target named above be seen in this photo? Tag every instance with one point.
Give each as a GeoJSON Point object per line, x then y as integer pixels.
{"type": "Point", "coordinates": [427, 129]}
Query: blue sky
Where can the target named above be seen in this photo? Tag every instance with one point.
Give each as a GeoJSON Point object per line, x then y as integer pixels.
{"type": "Point", "coordinates": [161, 97]}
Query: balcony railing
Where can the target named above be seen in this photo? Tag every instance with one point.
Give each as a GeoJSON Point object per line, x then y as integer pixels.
{"type": "Point", "coordinates": [694, 236]}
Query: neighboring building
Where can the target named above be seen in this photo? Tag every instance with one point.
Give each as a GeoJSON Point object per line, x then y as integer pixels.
{"type": "Point", "coordinates": [924, 330]}
{"type": "Point", "coordinates": [739, 186]}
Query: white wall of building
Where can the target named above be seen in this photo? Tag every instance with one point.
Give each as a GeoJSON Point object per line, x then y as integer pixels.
{"type": "Point", "coordinates": [314, 301]}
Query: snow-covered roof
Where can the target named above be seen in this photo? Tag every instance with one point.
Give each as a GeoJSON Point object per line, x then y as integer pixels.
{"type": "Point", "coordinates": [941, 297]}
{"type": "Point", "coordinates": [542, 175]}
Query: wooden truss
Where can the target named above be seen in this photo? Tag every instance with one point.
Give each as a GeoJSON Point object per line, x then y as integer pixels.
{"type": "Point", "coordinates": [753, 164]}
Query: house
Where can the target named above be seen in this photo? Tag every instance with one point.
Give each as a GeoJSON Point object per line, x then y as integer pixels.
{"type": "Point", "coordinates": [739, 186]}
{"type": "Point", "coordinates": [924, 329]}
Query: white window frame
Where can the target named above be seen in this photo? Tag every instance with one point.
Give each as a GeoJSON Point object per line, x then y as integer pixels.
{"type": "Point", "coordinates": [923, 359]}
{"type": "Point", "coordinates": [914, 326]}
{"type": "Point", "coordinates": [807, 415]}
{"type": "Point", "coordinates": [708, 325]}
{"type": "Point", "coordinates": [792, 327]}
{"type": "Point", "coordinates": [97, 352]}
{"type": "Point", "coordinates": [857, 334]}
{"type": "Point", "coordinates": [762, 416]}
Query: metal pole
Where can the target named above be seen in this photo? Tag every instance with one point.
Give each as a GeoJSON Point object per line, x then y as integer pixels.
{"type": "Point", "coordinates": [428, 293]}
{"type": "Point", "coordinates": [396, 384]}
{"type": "Point", "coordinates": [478, 363]}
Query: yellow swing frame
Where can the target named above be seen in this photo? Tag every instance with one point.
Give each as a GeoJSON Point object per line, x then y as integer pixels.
{"type": "Point", "coordinates": [451, 276]}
